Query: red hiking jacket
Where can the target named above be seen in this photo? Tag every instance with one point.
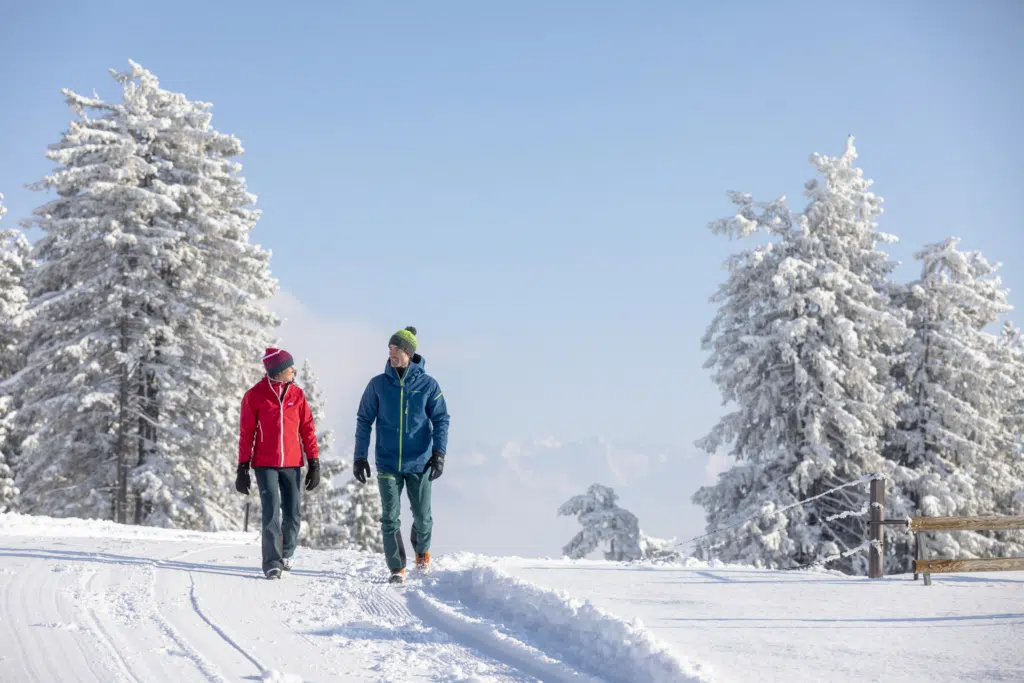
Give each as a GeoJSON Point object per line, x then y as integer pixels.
{"type": "Point", "coordinates": [272, 425]}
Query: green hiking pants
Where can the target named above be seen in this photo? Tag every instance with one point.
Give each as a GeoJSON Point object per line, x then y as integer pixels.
{"type": "Point", "coordinates": [418, 487]}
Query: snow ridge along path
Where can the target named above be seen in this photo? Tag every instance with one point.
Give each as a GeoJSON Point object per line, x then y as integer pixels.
{"type": "Point", "coordinates": [95, 601]}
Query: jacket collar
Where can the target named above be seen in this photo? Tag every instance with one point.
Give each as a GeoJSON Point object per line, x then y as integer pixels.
{"type": "Point", "coordinates": [416, 367]}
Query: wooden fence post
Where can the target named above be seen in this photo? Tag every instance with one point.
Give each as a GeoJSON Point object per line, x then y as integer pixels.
{"type": "Point", "coordinates": [876, 568]}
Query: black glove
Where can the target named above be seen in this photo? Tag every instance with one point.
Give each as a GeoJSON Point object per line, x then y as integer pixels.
{"type": "Point", "coordinates": [362, 470]}
{"type": "Point", "coordinates": [242, 481]}
{"type": "Point", "coordinates": [313, 474]}
{"type": "Point", "coordinates": [436, 465]}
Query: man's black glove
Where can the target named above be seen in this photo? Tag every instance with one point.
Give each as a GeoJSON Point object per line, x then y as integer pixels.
{"type": "Point", "coordinates": [436, 465]}
{"type": "Point", "coordinates": [313, 474]}
{"type": "Point", "coordinates": [242, 481]}
{"type": "Point", "coordinates": [362, 470]}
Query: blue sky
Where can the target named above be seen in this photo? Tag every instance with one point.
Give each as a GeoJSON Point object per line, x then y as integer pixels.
{"type": "Point", "coordinates": [529, 185]}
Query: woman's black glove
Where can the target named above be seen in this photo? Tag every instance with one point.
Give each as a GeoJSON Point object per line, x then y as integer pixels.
{"type": "Point", "coordinates": [242, 481]}
{"type": "Point", "coordinates": [313, 474]}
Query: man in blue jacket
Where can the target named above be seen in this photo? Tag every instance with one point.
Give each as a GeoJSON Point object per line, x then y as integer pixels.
{"type": "Point", "coordinates": [412, 437]}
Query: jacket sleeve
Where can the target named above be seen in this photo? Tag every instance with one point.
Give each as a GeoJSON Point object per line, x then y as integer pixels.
{"type": "Point", "coordinates": [307, 430]}
{"type": "Point", "coordinates": [246, 431]}
{"type": "Point", "coordinates": [365, 417]}
{"type": "Point", "coordinates": [437, 411]}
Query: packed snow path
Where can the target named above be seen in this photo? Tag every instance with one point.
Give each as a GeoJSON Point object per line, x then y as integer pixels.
{"type": "Point", "coordinates": [84, 601]}
{"type": "Point", "coordinates": [94, 601]}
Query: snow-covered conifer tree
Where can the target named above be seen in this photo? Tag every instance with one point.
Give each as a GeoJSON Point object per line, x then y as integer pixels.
{"type": "Point", "coordinates": [953, 438]}
{"type": "Point", "coordinates": [310, 384]}
{"type": "Point", "coordinates": [326, 510]}
{"type": "Point", "coordinates": [148, 317]}
{"type": "Point", "coordinates": [603, 521]}
{"type": "Point", "coordinates": [801, 348]}
{"type": "Point", "coordinates": [14, 262]}
{"type": "Point", "coordinates": [363, 515]}
{"type": "Point", "coordinates": [325, 507]}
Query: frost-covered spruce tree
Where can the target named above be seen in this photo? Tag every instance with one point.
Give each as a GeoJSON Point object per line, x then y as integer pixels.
{"type": "Point", "coordinates": [362, 518]}
{"type": "Point", "coordinates": [603, 521]}
{"type": "Point", "coordinates": [324, 507]}
{"type": "Point", "coordinates": [225, 325]}
{"type": "Point", "coordinates": [147, 315]}
{"type": "Point", "coordinates": [93, 319]}
{"type": "Point", "coordinates": [953, 439]}
{"type": "Point", "coordinates": [801, 348]}
{"type": "Point", "coordinates": [228, 325]}
{"type": "Point", "coordinates": [14, 263]}
{"type": "Point", "coordinates": [310, 384]}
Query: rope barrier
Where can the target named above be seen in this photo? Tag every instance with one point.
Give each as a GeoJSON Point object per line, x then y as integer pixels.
{"type": "Point", "coordinates": [862, 480]}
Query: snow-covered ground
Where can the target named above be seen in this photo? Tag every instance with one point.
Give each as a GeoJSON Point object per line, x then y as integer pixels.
{"type": "Point", "coordinates": [94, 601]}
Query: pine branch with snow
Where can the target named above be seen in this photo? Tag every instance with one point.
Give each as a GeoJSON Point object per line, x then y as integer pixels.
{"type": "Point", "coordinates": [801, 347]}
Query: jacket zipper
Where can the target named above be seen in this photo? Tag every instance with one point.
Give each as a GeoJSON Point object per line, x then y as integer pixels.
{"type": "Point", "coordinates": [280, 403]}
{"type": "Point", "coordinates": [401, 422]}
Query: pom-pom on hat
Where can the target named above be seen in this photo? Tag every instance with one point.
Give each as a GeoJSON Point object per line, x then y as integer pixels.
{"type": "Point", "coordinates": [277, 360]}
{"type": "Point", "coordinates": [405, 340]}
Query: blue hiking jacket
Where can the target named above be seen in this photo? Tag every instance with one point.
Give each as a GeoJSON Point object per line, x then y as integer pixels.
{"type": "Point", "coordinates": [411, 416]}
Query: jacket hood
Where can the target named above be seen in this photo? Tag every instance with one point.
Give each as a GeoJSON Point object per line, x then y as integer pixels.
{"type": "Point", "coordinates": [417, 365]}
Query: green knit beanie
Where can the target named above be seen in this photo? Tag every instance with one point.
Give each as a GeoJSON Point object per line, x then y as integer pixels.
{"type": "Point", "coordinates": [405, 340]}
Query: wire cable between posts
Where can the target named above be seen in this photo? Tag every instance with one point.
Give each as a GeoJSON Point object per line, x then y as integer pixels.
{"type": "Point", "coordinates": [862, 480]}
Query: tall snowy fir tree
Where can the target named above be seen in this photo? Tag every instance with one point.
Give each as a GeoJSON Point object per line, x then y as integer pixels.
{"type": "Point", "coordinates": [953, 440]}
{"type": "Point", "coordinates": [604, 522]}
{"type": "Point", "coordinates": [801, 348]}
{"type": "Point", "coordinates": [362, 516]}
{"type": "Point", "coordinates": [148, 319]}
{"type": "Point", "coordinates": [14, 264]}
{"type": "Point", "coordinates": [324, 508]}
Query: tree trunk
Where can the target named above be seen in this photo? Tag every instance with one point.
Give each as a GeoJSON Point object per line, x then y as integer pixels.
{"type": "Point", "coordinates": [122, 430]}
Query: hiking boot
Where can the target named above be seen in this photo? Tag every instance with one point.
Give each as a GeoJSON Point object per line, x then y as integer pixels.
{"type": "Point", "coordinates": [273, 573]}
{"type": "Point", "coordinates": [397, 576]}
{"type": "Point", "coordinates": [286, 564]}
{"type": "Point", "coordinates": [423, 561]}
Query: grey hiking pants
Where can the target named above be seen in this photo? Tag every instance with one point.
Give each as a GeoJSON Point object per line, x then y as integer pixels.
{"type": "Point", "coordinates": [280, 497]}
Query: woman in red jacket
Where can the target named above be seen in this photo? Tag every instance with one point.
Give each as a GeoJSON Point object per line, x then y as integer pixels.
{"type": "Point", "coordinates": [277, 429]}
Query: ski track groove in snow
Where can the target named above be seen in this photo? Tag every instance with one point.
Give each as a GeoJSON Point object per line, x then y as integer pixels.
{"type": "Point", "coordinates": [123, 671]}
{"type": "Point", "coordinates": [205, 667]}
{"type": "Point", "coordinates": [26, 588]}
{"type": "Point", "coordinates": [217, 629]}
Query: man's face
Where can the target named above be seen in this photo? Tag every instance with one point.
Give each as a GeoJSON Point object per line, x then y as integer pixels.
{"type": "Point", "coordinates": [287, 375]}
{"type": "Point", "coordinates": [398, 357]}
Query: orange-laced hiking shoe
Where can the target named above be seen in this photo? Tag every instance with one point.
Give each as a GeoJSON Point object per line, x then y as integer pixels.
{"type": "Point", "coordinates": [423, 561]}
{"type": "Point", "coordinates": [397, 576]}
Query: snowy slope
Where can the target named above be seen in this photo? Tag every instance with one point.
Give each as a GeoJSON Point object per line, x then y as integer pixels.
{"type": "Point", "coordinates": [93, 601]}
